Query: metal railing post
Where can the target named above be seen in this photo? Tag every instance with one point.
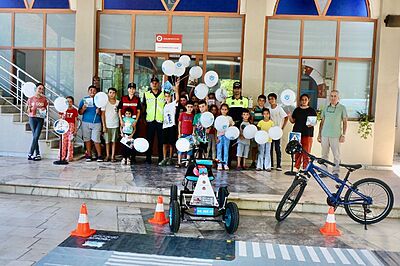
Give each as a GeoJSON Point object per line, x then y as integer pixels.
{"type": "Point", "coordinates": [47, 122]}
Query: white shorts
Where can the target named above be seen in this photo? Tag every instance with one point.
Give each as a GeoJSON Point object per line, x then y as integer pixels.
{"type": "Point", "coordinates": [242, 150]}
{"type": "Point", "coordinates": [91, 131]}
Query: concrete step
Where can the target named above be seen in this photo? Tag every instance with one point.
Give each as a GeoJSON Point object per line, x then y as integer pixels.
{"type": "Point", "coordinates": [3, 100]}
{"type": "Point", "coordinates": [6, 109]}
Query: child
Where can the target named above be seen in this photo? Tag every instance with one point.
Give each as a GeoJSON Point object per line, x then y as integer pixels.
{"type": "Point", "coordinates": [223, 142]}
{"type": "Point", "coordinates": [243, 144]}
{"type": "Point", "coordinates": [212, 136]}
{"type": "Point", "coordinates": [185, 129]}
{"type": "Point", "coordinates": [110, 121]}
{"type": "Point", "coordinates": [264, 157]}
{"type": "Point", "coordinates": [128, 130]}
{"type": "Point", "coordinates": [71, 116]}
{"type": "Point", "coordinates": [199, 132]}
{"type": "Point", "coordinates": [196, 107]}
{"type": "Point", "coordinates": [280, 118]}
{"type": "Point", "coordinates": [257, 115]}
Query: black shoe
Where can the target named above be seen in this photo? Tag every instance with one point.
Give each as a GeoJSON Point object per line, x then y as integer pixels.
{"type": "Point", "coordinates": [253, 165]}
{"type": "Point", "coordinates": [88, 158]}
{"type": "Point", "coordinates": [30, 158]}
{"type": "Point", "coordinates": [37, 158]}
{"type": "Point", "coordinates": [147, 161]}
{"type": "Point", "coordinates": [133, 160]}
{"type": "Point", "coordinates": [100, 159]}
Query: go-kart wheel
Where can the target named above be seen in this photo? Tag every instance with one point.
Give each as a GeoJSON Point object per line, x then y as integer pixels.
{"type": "Point", "coordinates": [222, 195]}
{"type": "Point", "coordinates": [231, 217]}
{"type": "Point", "coordinates": [173, 193]}
{"type": "Point", "coordinates": [174, 216]}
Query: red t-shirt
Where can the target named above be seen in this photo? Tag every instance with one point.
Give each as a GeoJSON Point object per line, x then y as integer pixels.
{"type": "Point", "coordinates": [38, 106]}
{"type": "Point", "coordinates": [186, 123]}
{"type": "Point", "coordinates": [70, 115]}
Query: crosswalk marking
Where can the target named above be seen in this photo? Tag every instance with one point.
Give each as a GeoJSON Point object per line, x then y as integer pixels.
{"type": "Point", "coordinates": [256, 250]}
{"type": "Point", "coordinates": [355, 256]}
{"type": "Point", "coordinates": [140, 255]}
{"type": "Point", "coordinates": [284, 252]}
{"type": "Point", "coordinates": [313, 255]}
{"type": "Point", "coordinates": [298, 253]}
{"type": "Point", "coordinates": [341, 256]}
{"type": "Point", "coordinates": [370, 257]}
{"type": "Point", "coordinates": [242, 249]}
{"type": "Point", "coordinates": [327, 255]}
{"type": "Point", "coordinates": [270, 251]}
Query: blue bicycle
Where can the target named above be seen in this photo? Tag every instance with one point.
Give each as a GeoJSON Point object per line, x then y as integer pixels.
{"type": "Point", "coordinates": [367, 201]}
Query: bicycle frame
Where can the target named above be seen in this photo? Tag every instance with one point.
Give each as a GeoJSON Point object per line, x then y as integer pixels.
{"type": "Point", "coordinates": [335, 198]}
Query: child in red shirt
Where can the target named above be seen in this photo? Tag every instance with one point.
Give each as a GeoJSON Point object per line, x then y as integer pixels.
{"type": "Point", "coordinates": [185, 129]}
{"type": "Point", "coordinates": [71, 116]}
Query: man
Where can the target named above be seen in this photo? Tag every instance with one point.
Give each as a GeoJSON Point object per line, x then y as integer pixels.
{"type": "Point", "coordinates": [333, 129]}
{"type": "Point", "coordinates": [91, 123]}
{"type": "Point", "coordinates": [96, 83]}
{"type": "Point", "coordinates": [154, 102]}
{"type": "Point", "coordinates": [237, 102]}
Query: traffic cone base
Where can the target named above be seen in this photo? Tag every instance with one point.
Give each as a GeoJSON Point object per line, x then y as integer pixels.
{"type": "Point", "coordinates": [329, 229]}
{"type": "Point", "coordinates": [159, 215]}
{"type": "Point", "coordinates": [83, 229]}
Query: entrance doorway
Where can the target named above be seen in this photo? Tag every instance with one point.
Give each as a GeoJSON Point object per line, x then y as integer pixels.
{"type": "Point", "coordinates": [30, 61]}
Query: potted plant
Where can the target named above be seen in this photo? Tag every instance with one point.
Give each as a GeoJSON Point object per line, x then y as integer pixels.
{"type": "Point", "coordinates": [364, 125]}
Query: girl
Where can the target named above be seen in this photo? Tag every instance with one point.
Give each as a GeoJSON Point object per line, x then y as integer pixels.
{"type": "Point", "coordinates": [264, 156]}
{"type": "Point", "coordinates": [128, 129]}
{"type": "Point", "coordinates": [212, 135]}
{"type": "Point", "coordinates": [71, 116]}
{"type": "Point", "coordinates": [223, 142]}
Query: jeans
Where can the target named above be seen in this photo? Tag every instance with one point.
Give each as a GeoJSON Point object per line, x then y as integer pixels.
{"type": "Point", "coordinates": [223, 149]}
{"type": "Point", "coordinates": [264, 156]}
{"type": "Point", "coordinates": [36, 125]}
{"type": "Point", "coordinates": [211, 146]}
{"type": "Point", "coordinates": [154, 128]}
{"type": "Point", "coordinates": [277, 145]}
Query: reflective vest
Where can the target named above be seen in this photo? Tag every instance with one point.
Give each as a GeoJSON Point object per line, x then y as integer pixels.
{"type": "Point", "coordinates": [236, 107]}
{"type": "Point", "coordinates": [154, 107]}
{"type": "Point", "coordinates": [130, 103]}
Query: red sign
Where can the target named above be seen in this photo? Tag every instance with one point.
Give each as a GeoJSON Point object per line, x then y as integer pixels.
{"type": "Point", "coordinates": [171, 43]}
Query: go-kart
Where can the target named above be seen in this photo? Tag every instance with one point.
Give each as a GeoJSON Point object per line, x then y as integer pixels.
{"type": "Point", "coordinates": [198, 201]}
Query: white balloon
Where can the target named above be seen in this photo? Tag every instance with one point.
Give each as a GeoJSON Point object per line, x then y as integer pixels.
{"type": "Point", "coordinates": [182, 145]}
{"type": "Point", "coordinates": [185, 60]}
{"type": "Point", "coordinates": [288, 97]}
{"type": "Point", "coordinates": [275, 133]}
{"type": "Point", "coordinates": [206, 119]}
{"type": "Point", "coordinates": [261, 137]}
{"type": "Point", "coordinates": [232, 133]}
{"type": "Point", "coordinates": [211, 78]}
{"type": "Point", "coordinates": [141, 144]}
{"type": "Point", "coordinates": [196, 72]}
{"type": "Point", "coordinates": [221, 123]}
{"type": "Point", "coordinates": [28, 89]}
{"type": "Point", "coordinates": [100, 99]}
{"type": "Point", "coordinates": [201, 91]}
{"type": "Point", "coordinates": [249, 131]}
{"type": "Point", "coordinates": [61, 104]}
{"type": "Point", "coordinates": [179, 69]}
{"type": "Point", "coordinates": [168, 67]}
{"type": "Point", "coordinates": [221, 94]}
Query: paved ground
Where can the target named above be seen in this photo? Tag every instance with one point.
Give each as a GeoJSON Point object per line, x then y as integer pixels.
{"type": "Point", "coordinates": [32, 226]}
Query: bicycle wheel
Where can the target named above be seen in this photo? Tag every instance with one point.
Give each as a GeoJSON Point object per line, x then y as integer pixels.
{"type": "Point", "coordinates": [382, 201]}
{"type": "Point", "coordinates": [290, 199]}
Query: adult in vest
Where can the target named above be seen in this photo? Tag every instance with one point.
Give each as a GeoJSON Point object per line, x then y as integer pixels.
{"type": "Point", "coordinates": [154, 101]}
{"type": "Point", "coordinates": [133, 102]}
{"type": "Point", "coordinates": [237, 103]}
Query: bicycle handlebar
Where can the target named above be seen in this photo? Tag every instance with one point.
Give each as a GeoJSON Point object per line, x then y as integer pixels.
{"type": "Point", "coordinates": [319, 160]}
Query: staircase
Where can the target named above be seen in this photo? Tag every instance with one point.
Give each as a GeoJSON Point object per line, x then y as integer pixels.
{"type": "Point", "coordinates": [15, 132]}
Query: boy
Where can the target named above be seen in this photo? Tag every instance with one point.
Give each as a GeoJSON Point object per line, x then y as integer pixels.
{"type": "Point", "coordinates": [110, 120]}
{"type": "Point", "coordinates": [128, 130]}
{"type": "Point", "coordinates": [185, 129]}
{"type": "Point", "coordinates": [257, 115]}
{"type": "Point", "coordinates": [71, 116]}
{"type": "Point", "coordinates": [199, 132]}
{"type": "Point", "coordinates": [264, 156]}
{"type": "Point", "coordinates": [280, 118]}
{"type": "Point", "coordinates": [243, 144]}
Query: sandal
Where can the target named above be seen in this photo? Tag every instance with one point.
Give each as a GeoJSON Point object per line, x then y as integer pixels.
{"type": "Point", "coordinates": [113, 160]}
{"type": "Point", "coordinates": [177, 165]}
{"type": "Point", "coordinates": [107, 159]}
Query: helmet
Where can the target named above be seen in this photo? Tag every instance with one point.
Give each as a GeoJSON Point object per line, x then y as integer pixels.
{"type": "Point", "coordinates": [293, 147]}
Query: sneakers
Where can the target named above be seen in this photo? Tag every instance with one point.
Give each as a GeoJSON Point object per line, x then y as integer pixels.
{"type": "Point", "coordinates": [269, 170]}
{"type": "Point", "coordinates": [169, 162]}
{"type": "Point", "coordinates": [123, 161]}
{"type": "Point", "coordinates": [30, 157]}
{"type": "Point", "coordinates": [128, 161]}
{"type": "Point", "coordinates": [226, 167]}
{"type": "Point", "coordinates": [258, 169]}
{"type": "Point", "coordinates": [163, 162]}
{"type": "Point", "coordinates": [37, 158]}
{"type": "Point", "coordinates": [219, 168]}
{"type": "Point", "coordinates": [100, 159]}
{"type": "Point", "coordinates": [88, 158]}
{"type": "Point", "coordinates": [279, 169]}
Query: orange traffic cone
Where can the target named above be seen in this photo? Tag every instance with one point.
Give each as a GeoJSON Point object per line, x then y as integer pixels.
{"type": "Point", "coordinates": [159, 215]}
{"type": "Point", "coordinates": [329, 229]}
{"type": "Point", "coordinates": [83, 228]}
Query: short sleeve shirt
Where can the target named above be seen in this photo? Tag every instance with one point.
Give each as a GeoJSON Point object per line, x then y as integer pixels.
{"type": "Point", "coordinates": [241, 128]}
{"type": "Point", "coordinates": [128, 125]}
{"type": "Point", "coordinates": [40, 106]}
{"type": "Point", "coordinates": [333, 117]}
{"type": "Point", "coordinates": [90, 115]}
{"type": "Point", "coordinates": [300, 116]}
{"type": "Point", "coordinates": [200, 131]}
{"type": "Point", "coordinates": [186, 123]}
{"type": "Point", "coordinates": [231, 123]}
{"type": "Point", "coordinates": [277, 115]}
{"type": "Point", "coordinates": [111, 113]}
{"type": "Point", "coordinates": [169, 115]}
{"type": "Point", "coordinates": [70, 115]}
{"type": "Point", "coordinates": [265, 125]}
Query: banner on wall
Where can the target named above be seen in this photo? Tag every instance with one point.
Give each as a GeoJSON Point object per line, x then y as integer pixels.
{"type": "Point", "coordinates": [168, 43]}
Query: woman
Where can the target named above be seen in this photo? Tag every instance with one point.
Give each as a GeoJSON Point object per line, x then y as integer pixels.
{"type": "Point", "coordinates": [299, 118]}
{"type": "Point", "coordinates": [37, 111]}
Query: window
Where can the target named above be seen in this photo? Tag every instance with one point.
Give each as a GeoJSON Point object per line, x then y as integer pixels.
{"type": "Point", "coordinates": [228, 69]}
{"type": "Point", "coordinates": [5, 29]}
{"type": "Point", "coordinates": [146, 29]}
{"type": "Point", "coordinates": [225, 34]}
{"type": "Point", "coordinates": [28, 30]}
{"type": "Point", "coordinates": [356, 39]}
{"type": "Point", "coordinates": [192, 29]}
{"type": "Point", "coordinates": [283, 37]}
{"type": "Point", "coordinates": [115, 31]}
{"type": "Point", "coordinates": [60, 71]}
{"type": "Point", "coordinates": [114, 70]}
{"type": "Point", "coordinates": [60, 31]}
{"type": "Point", "coordinates": [319, 38]}
{"type": "Point", "coordinates": [5, 78]}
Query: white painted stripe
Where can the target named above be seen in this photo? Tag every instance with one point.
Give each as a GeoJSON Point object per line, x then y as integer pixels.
{"type": "Point", "coordinates": [370, 257]}
{"type": "Point", "coordinates": [256, 249]}
{"type": "Point", "coordinates": [270, 251]}
{"type": "Point", "coordinates": [155, 261]}
{"type": "Point", "coordinates": [327, 255]}
{"type": "Point", "coordinates": [355, 256]}
{"type": "Point", "coordinates": [284, 252]}
{"type": "Point", "coordinates": [83, 219]}
{"type": "Point", "coordinates": [341, 256]}
{"type": "Point", "coordinates": [330, 218]}
{"type": "Point", "coordinates": [118, 264]}
{"type": "Point", "coordinates": [298, 253]}
{"type": "Point", "coordinates": [242, 249]}
{"type": "Point", "coordinates": [171, 260]}
{"type": "Point", "coordinates": [313, 255]}
{"type": "Point", "coordinates": [140, 255]}
{"type": "Point", "coordinates": [159, 207]}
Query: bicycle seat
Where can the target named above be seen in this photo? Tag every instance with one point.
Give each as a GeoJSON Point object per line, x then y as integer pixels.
{"type": "Point", "coordinates": [351, 167]}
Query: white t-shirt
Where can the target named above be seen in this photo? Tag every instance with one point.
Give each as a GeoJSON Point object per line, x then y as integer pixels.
{"type": "Point", "coordinates": [111, 112]}
{"type": "Point", "coordinates": [277, 115]}
{"type": "Point", "coordinates": [169, 115]}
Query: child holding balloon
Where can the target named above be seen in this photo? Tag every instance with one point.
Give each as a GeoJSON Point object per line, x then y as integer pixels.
{"type": "Point", "coordinates": [71, 116]}
{"type": "Point", "coordinates": [185, 129]}
{"type": "Point", "coordinates": [243, 144]}
{"type": "Point", "coordinates": [223, 141]}
{"type": "Point", "coordinates": [127, 131]}
{"type": "Point", "coordinates": [264, 156]}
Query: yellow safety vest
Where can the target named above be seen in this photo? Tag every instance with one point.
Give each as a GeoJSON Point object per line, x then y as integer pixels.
{"type": "Point", "coordinates": [241, 102]}
{"type": "Point", "coordinates": [154, 107]}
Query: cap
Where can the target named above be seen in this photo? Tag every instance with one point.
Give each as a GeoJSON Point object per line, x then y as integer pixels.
{"type": "Point", "coordinates": [154, 78]}
{"type": "Point", "coordinates": [237, 84]}
{"type": "Point", "coordinates": [132, 85]}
